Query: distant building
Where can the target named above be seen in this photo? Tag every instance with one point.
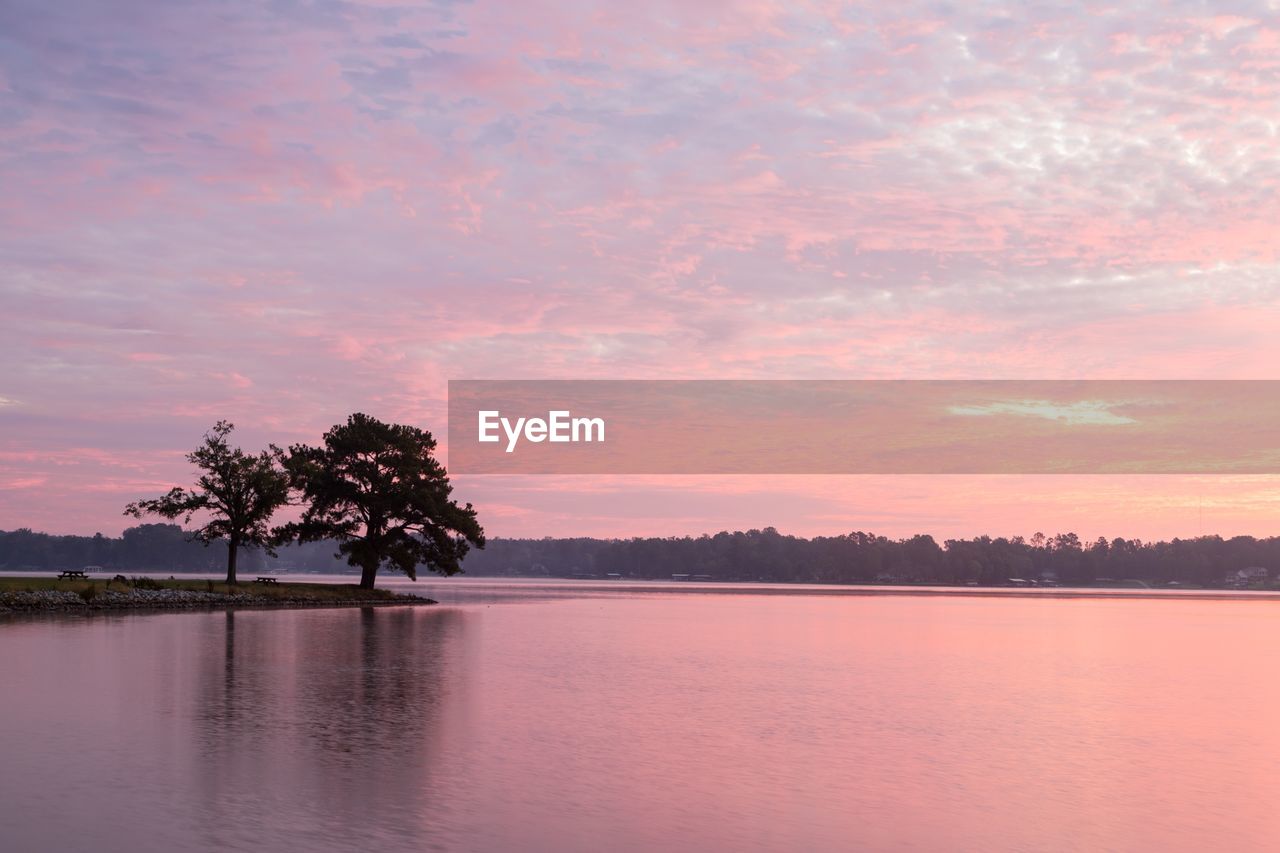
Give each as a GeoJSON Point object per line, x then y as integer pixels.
{"type": "Point", "coordinates": [1247, 576]}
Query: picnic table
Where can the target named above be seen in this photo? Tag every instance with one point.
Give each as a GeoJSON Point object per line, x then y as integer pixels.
{"type": "Point", "coordinates": [73, 574]}
{"type": "Point", "coordinates": [265, 579]}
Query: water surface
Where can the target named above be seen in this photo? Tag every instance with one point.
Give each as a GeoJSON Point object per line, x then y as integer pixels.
{"type": "Point", "coordinates": [562, 716]}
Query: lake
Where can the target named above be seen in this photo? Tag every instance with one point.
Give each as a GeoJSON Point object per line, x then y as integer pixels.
{"type": "Point", "coordinates": [565, 716]}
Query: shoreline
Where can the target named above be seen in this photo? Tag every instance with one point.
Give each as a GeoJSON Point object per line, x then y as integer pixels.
{"type": "Point", "coordinates": [665, 587]}
{"type": "Point", "coordinates": [29, 595]}
{"type": "Point", "coordinates": [38, 594]}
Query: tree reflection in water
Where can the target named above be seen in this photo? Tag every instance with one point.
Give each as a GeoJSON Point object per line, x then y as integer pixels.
{"type": "Point", "coordinates": [325, 724]}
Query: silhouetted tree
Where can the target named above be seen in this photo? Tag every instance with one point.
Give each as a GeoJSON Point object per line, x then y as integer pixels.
{"type": "Point", "coordinates": [379, 492]}
{"type": "Point", "coordinates": [239, 491]}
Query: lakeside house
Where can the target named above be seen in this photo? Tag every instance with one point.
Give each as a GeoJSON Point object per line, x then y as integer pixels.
{"type": "Point", "coordinates": [1245, 577]}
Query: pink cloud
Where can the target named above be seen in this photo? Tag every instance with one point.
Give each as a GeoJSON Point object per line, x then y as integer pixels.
{"type": "Point", "coordinates": [312, 213]}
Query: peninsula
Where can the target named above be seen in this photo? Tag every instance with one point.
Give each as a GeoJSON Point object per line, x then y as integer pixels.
{"type": "Point", "coordinates": [48, 594]}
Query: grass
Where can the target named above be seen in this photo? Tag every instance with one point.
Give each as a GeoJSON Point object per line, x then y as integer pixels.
{"type": "Point", "coordinates": [284, 591]}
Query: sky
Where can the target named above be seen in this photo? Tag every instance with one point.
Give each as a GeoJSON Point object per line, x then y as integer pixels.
{"type": "Point", "coordinates": [280, 213]}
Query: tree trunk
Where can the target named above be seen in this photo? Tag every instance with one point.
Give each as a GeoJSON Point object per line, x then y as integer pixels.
{"type": "Point", "coordinates": [368, 572]}
{"type": "Point", "coordinates": [233, 551]}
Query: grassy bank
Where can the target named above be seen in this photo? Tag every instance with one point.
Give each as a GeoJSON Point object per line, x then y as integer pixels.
{"type": "Point", "coordinates": [50, 593]}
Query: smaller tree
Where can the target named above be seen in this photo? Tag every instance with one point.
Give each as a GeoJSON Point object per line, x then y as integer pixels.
{"type": "Point", "coordinates": [239, 491]}
{"type": "Point", "coordinates": [377, 489]}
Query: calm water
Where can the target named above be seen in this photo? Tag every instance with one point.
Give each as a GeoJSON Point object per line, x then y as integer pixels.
{"type": "Point", "coordinates": [555, 717]}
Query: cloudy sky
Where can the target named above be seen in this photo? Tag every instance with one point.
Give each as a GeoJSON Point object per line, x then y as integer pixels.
{"type": "Point", "coordinates": [279, 213]}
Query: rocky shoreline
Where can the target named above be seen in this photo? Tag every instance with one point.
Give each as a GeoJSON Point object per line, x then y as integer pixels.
{"type": "Point", "coordinates": [63, 601]}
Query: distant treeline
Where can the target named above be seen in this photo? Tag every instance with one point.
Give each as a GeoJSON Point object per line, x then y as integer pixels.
{"type": "Point", "coordinates": [752, 555]}
{"type": "Point", "coordinates": [864, 557]}
{"type": "Point", "coordinates": [150, 548]}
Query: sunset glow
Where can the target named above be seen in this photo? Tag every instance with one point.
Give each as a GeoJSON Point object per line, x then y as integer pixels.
{"type": "Point", "coordinates": [280, 214]}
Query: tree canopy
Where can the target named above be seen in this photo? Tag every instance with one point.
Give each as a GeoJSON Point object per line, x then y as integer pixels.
{"type": "Point", "coordinates": [378, 490]}
{"type": "Point", "coordinates": [238, 491]}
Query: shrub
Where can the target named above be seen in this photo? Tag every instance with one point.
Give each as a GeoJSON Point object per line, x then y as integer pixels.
{"type": "Point", "coordinates": [89, 593]}
{"type": "Point", "coordinates": [144, 583]}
